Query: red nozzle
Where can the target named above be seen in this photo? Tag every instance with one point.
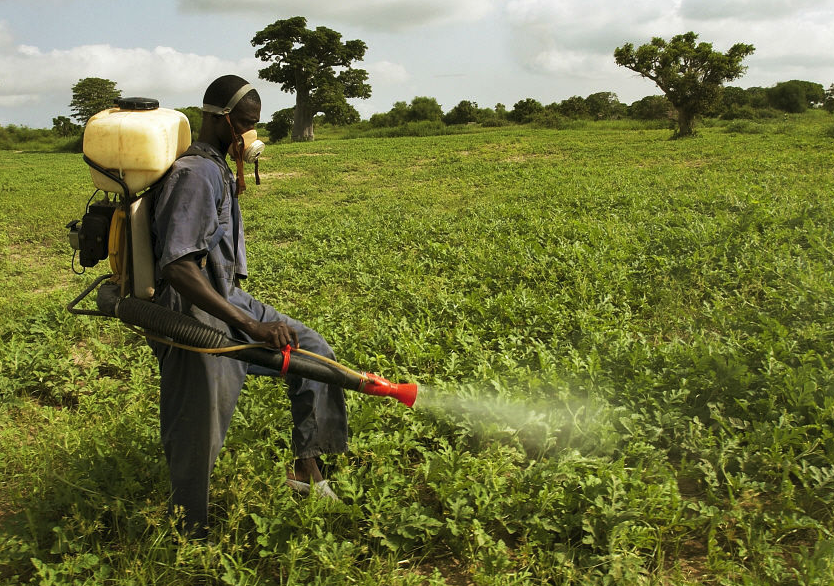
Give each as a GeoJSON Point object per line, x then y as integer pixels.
{"type": "Point", "coordinates": [405, 393]}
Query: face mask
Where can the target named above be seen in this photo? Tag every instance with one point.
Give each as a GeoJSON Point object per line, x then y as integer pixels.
{"type": "Point", "coordinates": [252, 147]}
{"type": "Point", "coordinates": [245, 147]}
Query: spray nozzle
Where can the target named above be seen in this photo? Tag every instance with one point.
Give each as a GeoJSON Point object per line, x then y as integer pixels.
{"type": "Point", "coordinates": [405, 393]}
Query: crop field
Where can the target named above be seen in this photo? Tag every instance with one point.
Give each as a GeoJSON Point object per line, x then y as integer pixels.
{"type": "Point", "coordinates": [624, 345]}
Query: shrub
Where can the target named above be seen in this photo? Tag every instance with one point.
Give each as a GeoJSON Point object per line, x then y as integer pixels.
{"type": "Point", "coordinates": [745, 127]}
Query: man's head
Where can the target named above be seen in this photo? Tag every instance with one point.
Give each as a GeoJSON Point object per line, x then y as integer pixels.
{"type": "Point", "coordinates": [230, 103]}
{"type": "Point", "coordinates": [231, 108]}
{"type": "Point", "coordinates": [226, 92]}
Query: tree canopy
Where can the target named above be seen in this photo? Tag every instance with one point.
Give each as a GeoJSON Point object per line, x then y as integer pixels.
{"type": "Point", "coordinates": [691, 75]}
{"type": "Point", "coordinates": [317, 66]}
{"type": "Point", "coordinates": [92, 95]}
{"type": "Point", "coordinates": [795, 96]}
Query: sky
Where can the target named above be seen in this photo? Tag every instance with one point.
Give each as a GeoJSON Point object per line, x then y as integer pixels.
{"type": "Point", "coordinates": [484, 51]}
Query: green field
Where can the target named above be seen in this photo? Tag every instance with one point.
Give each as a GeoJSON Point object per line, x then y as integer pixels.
{"type": "Point", "coordinates": [624, 345]}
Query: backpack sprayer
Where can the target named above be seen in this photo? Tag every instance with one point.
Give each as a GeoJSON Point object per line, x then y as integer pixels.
{"type": "Point", "coordinates": [129, 150]}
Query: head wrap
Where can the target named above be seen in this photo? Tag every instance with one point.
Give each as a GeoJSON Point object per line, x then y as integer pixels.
{"type": "Point", "coordinates": [230, 105]}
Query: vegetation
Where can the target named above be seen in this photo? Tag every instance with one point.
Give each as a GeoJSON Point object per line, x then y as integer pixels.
{"type": "Point", "coordinates": [306, 62]}
{"type": "Point", "coordinates": [691, 76]}
{"type": "Point", "coordinates": [92, 95]}
{"type": "Point", "coordinates": [624, 346]}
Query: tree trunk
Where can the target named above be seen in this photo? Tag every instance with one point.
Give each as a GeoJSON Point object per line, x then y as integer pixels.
{"type": "Point", "coordinates": [302, 127]}
{"type": "Point", "coordinates": [686, 123]}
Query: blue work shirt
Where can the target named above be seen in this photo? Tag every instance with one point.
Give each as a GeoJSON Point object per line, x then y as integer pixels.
{"type": "Point", "coordinates": [196, 212]}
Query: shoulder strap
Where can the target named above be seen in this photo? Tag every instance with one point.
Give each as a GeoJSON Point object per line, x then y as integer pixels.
{"type": "Point", "coordinates": [197, 150]}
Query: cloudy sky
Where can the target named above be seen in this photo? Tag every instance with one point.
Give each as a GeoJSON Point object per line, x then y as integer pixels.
{"type": "Point", "coordinates": [486, 51]}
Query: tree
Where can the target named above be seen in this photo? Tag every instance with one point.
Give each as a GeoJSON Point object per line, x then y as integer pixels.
{"type": "Point", "coordinates": [651, 108]}
{"type": "Point", "coordinates": [396, 116]}
{"type": "Point", "coordinates": [281, 124]}
{"type": "Point", "coordinates": [604, 105]}
{"type": "Point", "coordinates": [341, 114]}
{"type": "Point", "coordinates": [828, 104]}
{"type": "Point", "coordinates": [525, 110]}
{"type": "Point", "coordinates": [464, 113]}
{"type": "Point", "coordinates": [795, 96]}
{"type": "Point", "coordinates": [690, 75]}
{"type": "Point", "coordinates": [424, 108]}
{"type": "Point", "coordinates": [734, 96]}
{"type": "Point", "coordinates": [757, 97]}
{"type": "Point", "coordinates": [574, 107]}
{"type": "Point", "coordinates": [91, 95]}
{"type": "Point", "coordinates": [63, 127]}
{"type": "Point", "coordinates": [195, 119]}
{"type": "Point", "coordinates": [316, 65]}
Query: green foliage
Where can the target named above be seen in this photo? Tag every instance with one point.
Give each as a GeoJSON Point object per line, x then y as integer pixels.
{"type": "Point", "coordinates": [524, 111]}
{"type": "Point", "coordinates": [795, 96]}
{"type": "Point", "coordinates": [423, 108]}
{"type": "Point", "coordinates": [605, 106]}
{"type": "Point", "coordinates": [195, 119]}
{"type": "Point", "coordinates": [624, 346]}
{"type": "Point", "coordinates": [652, 108]}
{"type": "Point", "coordinates": [63, 127]}
{"type": "Point", "coordinates": [574, 107]}
{"type": "Point", "coordinates": [464, 113]}
{"type": "Point", "coordinates": [92, 95]}
{"type": "Point", "coordinates": [280, 126]}
{"type": "Point", "coordinates": [23, 138]}
{"type": "Point", "coordinates": [690, 75]}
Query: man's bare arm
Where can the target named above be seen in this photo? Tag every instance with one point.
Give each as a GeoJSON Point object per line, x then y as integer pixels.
{"type": "Point", "coordinates": [185, 276]}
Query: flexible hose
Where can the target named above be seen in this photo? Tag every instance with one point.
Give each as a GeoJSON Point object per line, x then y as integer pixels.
{"type": "Point", "coordinates": [183, 331]}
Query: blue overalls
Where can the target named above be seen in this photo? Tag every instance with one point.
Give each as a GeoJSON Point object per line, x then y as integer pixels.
{"type": "Point", "coordinates": [195, 211]}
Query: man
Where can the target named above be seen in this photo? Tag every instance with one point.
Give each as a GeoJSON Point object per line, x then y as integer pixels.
{"type": "Point", "coordinates": [200, 260]}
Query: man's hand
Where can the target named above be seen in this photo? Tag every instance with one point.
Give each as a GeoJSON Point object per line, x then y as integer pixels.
{"type": "Point", "coordinates": [185, 276]}
{"type": "Point", "coordinates": [276, 333]}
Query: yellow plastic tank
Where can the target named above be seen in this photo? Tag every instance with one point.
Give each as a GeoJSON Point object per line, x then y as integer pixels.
{"type": "Point", "coordinates": [138, 141]}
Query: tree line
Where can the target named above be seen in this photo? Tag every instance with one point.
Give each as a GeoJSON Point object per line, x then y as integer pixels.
{"type": "Point", "coordinates": [793, 96]}
{"type": "Point", "coordinates": [317, 66]}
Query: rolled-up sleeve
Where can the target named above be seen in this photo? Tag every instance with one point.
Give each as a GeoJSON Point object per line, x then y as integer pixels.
{"type": "Point", "coordinates": [185, 214]}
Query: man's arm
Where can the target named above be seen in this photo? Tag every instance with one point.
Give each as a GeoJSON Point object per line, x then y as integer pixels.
{"type": "Point", "coordinates": [185, 276]}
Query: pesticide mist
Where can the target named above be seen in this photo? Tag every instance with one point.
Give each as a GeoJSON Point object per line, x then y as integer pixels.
{"type": "Point", "coordinates": [542, 427]}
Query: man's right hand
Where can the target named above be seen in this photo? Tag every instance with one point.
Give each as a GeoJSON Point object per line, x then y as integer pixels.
{"type": "Point", "coordinates": [185, 276]}
{"type": "Point", "coordinates": [276, 333]}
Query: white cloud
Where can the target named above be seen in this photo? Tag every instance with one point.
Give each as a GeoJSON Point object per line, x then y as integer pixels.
{"type": "Point", "coordinates": [386, 73]}
{"type": "Point", "coordinates": [28, 70]}
{"type": "Point", "coordinates": [18, 100]}
{"type": "Point", "coordinates": [747, 10]}
{"type": "Point", "coordinates": [575, 37]}
{"type": "Point", "coordinates": [376, 15]}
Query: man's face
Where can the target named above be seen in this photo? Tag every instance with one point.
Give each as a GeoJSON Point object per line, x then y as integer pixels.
{"type": "Point", "coordinates": [245, 116]}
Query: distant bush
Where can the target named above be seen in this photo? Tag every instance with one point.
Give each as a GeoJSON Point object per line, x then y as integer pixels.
{"type": "Point", "coordinates": [744, 127]}
{"type": "Point", "coordinates": [746, 112]}
{"type": "Point", "coordinates": [549, 119]}
{"type": "Point", "coordinates": [422, 128]}
{"type": "Point", "coordinates": [23, 138]}
{"type": "Point", "coordinates": [495, 122]}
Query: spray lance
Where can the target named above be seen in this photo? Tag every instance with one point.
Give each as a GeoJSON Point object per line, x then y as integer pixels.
{"type": "Point", "coordinates": [184, 331]}
{"type": "Point", "coordinates": [118, 228]}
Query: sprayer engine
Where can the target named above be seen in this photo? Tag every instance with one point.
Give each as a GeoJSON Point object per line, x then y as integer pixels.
{"type": "Point", "coordinates": [90, 236]}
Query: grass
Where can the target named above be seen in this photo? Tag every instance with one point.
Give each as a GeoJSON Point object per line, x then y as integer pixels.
{"type": "Point", "coordinates": [624, 345]}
